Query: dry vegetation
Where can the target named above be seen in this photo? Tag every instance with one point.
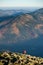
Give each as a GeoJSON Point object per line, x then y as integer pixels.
{"type": "Point", "coordinates": [8, 58]}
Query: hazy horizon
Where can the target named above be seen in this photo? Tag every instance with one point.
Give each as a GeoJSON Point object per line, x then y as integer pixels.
{"type": "Point", "coordinates": [20, 8]}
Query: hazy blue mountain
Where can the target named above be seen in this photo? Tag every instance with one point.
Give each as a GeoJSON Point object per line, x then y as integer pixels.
{"type": "Point", "coordinates": [16, 26]}
{"type": "Point", "coordinates": [22, 30]}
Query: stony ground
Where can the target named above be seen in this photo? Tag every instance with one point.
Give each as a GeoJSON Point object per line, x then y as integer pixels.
{"type": "Point", "coordinates": [8, 58]}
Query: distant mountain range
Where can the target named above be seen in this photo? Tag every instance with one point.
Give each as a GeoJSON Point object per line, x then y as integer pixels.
{"type": "Point", "coordinates": [20, 25]}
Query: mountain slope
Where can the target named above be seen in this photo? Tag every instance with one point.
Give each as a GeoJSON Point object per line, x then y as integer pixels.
{"type": "Point", "coordinates": [21, 26]}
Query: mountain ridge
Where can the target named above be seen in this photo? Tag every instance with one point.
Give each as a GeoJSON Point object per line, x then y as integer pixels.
{"type": "Point", "coordinates": [21, 26]}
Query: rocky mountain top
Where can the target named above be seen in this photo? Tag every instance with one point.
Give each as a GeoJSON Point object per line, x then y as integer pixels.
{"type": "Point", "coordinates": [9, 58]}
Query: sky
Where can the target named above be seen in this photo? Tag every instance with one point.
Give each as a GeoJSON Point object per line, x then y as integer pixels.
{"type": "Point", "coordinates": [21, 3]}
